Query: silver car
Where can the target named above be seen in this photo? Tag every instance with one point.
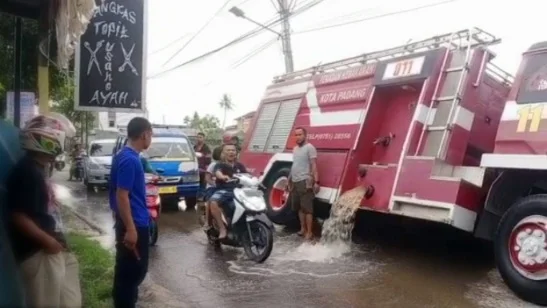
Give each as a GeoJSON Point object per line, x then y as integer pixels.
{"type": "Point", "coordinates": [97, 162]}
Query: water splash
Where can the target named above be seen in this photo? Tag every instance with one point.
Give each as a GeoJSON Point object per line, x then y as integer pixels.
{"type": "Point", "coordinates": [316, 253]}
{"type": "Point", "coordinates": [293, 258]}
{"type": "Point", "coordinates": [332, 256]}
{"type": "Point", "coordinates": [63, 195]}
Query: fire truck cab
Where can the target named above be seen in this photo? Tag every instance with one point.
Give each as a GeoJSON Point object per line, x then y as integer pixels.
{"type": "Point", "coordinates": [443, 134]}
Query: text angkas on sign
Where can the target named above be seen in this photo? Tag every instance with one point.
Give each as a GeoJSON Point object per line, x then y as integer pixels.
{"type": "Point", "coordinates": [110, 67]}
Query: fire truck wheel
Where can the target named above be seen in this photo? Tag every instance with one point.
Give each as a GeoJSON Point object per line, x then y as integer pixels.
{"type": "Point", "coordinates": [277, 198]}
{"type": "Point", "coordinates": [521, 248]}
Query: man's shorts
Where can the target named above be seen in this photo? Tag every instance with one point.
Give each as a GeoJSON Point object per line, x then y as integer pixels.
{"type": "Point", "coordinates": [223, 198]}
{"type": "Point", "coordinates": [302, 197]}
{"type": "Point", "coordinates": [208, 193]}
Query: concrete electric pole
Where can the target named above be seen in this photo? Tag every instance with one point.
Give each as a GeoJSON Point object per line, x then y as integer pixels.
{"type": "Point", "coordinates": [285, 35]}
{"type": "Point", "coordinates": [284, 13]}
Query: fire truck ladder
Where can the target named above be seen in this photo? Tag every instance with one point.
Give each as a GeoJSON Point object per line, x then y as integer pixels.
{"type": "Point", "coordinates": [448, 91]}
{"type": "Point", "coordinates": [455, 40]}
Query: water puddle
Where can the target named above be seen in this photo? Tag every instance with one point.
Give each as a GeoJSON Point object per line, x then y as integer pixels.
{"type": "Point", "coordinates": [332, 255]}
{"type": "Point", "coordinates": [491, 292]}
{"type": "Point", "coordinates": [99, 216]}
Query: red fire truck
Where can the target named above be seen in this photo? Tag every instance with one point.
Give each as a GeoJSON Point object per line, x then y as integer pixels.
{"type": "Point", "coordinates": [443, 134]}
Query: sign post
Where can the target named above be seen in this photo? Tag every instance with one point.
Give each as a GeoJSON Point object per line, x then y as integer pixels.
{"type": "Point", "coordinates": [26, 110]}
{"type": "Point", "coordinates": [110, 60]}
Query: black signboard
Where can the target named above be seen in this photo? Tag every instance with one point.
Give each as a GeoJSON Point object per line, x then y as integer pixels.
{"type": "Point", "coordinates": [533, 87]}
{"type": "Point", "coordinates": [110, 62]}
{"type": "Point", "coordinates": [407, 68]}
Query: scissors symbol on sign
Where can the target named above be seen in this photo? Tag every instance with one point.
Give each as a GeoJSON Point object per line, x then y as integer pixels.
{"type": "Point", "coordinates": [127, 60]}
{"type": "Point", "coordinates": [93, 56]}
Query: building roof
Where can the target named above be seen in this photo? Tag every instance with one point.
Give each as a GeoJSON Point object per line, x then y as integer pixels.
{"type": "Point", "coordinates": [246, 116]}
{"type": "Point", "coordinates": [231, 127]}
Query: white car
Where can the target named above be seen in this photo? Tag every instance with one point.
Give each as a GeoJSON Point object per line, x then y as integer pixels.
{"type": "Point", "coordinates": [97, 162]}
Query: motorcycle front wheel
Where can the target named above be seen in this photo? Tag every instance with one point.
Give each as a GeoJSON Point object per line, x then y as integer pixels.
{"type": "Point", "coordinates": [260, 244]}
{"type": "Point", "coordinates": [153, 232]}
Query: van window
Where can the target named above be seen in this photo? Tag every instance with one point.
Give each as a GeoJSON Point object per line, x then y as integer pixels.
{"type": "Point", "coordinates": [170, 148]}
{"type": "Point", "coordinates": [533, 87]}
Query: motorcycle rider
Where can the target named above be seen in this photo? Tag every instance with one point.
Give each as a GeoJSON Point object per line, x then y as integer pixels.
{"type": "Point", "coordinates": [204, 160]}
{"type": "Point", "coordinates": [224, 194]}
{"type": "Point", "coordinates": [211, 186]}
{"type": "Point", "coordinates": [49, 269]}
{"type": "Point", "coordinates": [76, 152]}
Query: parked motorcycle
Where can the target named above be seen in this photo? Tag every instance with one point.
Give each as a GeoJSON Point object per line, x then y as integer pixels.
{"type": "Point", "coordinates": [246, 222]}
{"type": "Point", "coordinates": [153, 203]}
{"type": "Point", "coordinates": [60, 162]}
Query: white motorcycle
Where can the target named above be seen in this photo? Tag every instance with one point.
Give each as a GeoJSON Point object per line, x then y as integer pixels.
{"type": "Point", "coordinates": [246, 220]}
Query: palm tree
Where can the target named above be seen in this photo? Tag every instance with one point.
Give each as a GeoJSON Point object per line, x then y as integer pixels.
{"type": "Point", "coordinates": [226, 104]}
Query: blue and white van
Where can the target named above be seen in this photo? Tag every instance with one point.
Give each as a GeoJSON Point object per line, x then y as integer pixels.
{"type": "Point", "coordinates": [172, 155]}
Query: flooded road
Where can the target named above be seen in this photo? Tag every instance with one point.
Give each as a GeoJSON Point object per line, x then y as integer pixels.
{"type": "Point", "coordinates": [389, 264]}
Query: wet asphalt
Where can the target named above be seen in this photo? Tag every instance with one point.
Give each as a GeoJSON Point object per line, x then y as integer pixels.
{"type": "Point", "coordinates": [391, 262]}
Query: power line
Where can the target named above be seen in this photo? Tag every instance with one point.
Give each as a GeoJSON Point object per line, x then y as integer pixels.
{"type": "Point", "coordinates": [375, 17]}
{"type": "Point", "coordinates": [253, 54]}
{"type": "Point", "coordinates": [237, 40]}
{"type": "Point", "coordinates": [346, 16]}
{"type": "Point", "coordinates": [245, 59]}
{"type": "Point", "coordinates": [201, 57]}
{"type": "Point", "coordinates": [180, 38]}
{"type": "Point", "coordinates": [199, 31]}
{"type": "Point", "coordinates": [243, 2]}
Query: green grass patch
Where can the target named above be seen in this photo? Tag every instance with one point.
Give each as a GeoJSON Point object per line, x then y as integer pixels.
{"type": "Point", "coordinates": [96, 271]}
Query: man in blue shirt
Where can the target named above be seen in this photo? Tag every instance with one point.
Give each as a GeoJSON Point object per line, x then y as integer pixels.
{"type": "Point", "coordinates": [128, 202]}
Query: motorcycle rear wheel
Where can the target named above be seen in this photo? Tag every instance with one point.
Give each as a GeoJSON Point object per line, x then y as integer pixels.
{"type": "Point", "coordinates": [263, 238]}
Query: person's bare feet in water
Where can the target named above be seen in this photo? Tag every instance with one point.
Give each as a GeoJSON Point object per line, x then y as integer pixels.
{"type": "Point", "coordinates": [309, 236]}
{"type": "Point", "coordinates": [301, 233]}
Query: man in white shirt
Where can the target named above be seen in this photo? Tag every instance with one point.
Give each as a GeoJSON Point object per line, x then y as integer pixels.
{"type": "Point", "coordinates": [304, 181]}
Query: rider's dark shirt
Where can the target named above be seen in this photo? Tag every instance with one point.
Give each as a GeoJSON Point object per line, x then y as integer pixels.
{"type": "Point", "coordinates": [205, 158]}
{"type": "Point", "coordinates": [229, 170]}
{"type": "Point", "coordinates": [28, 193]}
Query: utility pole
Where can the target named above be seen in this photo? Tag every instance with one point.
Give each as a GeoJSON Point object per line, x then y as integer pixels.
{"type": "Point", "coordinates": [284, 13]}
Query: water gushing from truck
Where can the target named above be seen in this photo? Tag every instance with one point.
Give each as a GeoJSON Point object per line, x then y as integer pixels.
{"type": "Point", "coordinates": [338, 227]}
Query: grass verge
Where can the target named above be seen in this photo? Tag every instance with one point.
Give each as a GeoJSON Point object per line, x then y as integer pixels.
{"type": "Point", "coordinates": [96, 271]}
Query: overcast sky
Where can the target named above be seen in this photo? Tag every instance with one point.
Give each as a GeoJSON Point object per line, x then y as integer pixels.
{"type": "Point", "coordinates": [199, 87]}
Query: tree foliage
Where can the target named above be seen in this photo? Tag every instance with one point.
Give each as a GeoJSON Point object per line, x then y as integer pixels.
{"type": "Point", "coordinates": [29, 58]}
{"type": "Point", "coordinates": [208, 124]}
{"type": "Point", "coordinates": [226, 104]}
{"type": "Point", "coordinates": [63, 102]}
